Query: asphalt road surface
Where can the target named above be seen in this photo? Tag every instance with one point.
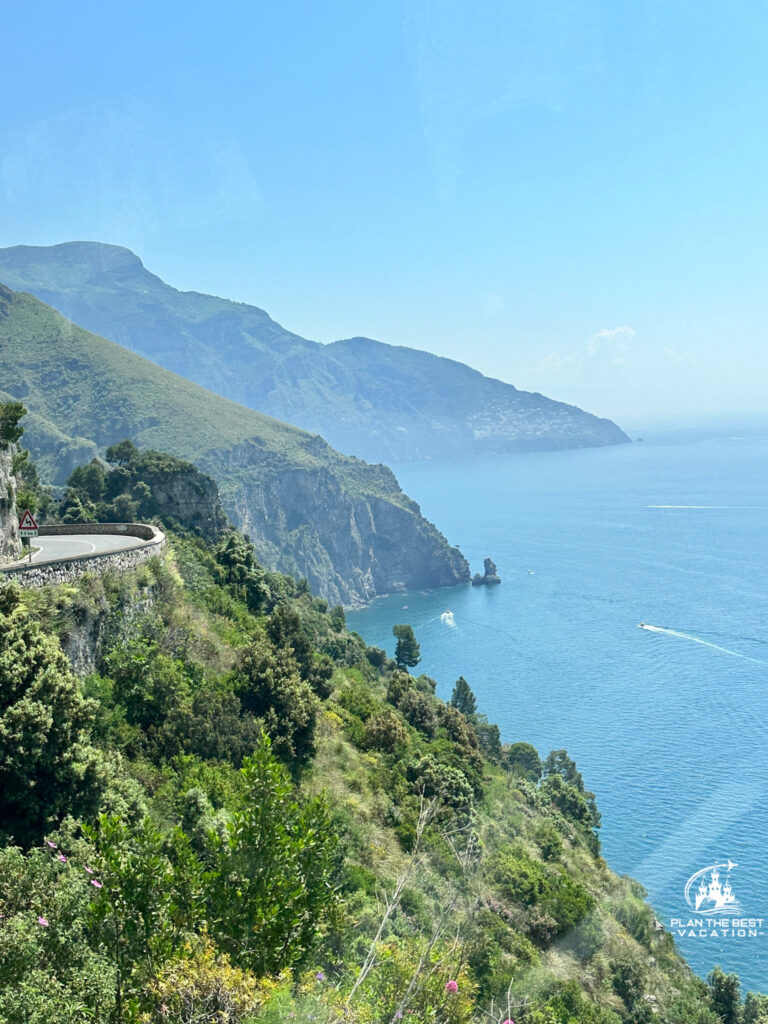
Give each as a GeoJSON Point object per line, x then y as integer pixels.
{"type": "Point", "coordinates": [53, 548]}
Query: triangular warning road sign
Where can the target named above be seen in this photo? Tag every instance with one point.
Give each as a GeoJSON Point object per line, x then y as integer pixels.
{"type": "Point", "coordinates": [28, 521]}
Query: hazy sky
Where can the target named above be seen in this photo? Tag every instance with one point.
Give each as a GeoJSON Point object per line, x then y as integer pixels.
{"type": "Point", "coordinates": [568, 194]}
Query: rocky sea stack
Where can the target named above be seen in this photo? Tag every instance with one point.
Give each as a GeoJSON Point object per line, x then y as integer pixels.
{"type": "Point", "coordinates": [489, 577]}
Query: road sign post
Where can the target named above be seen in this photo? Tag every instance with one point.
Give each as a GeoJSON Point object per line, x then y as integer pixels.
{"type": "Point", "coordinates": [28, 529]}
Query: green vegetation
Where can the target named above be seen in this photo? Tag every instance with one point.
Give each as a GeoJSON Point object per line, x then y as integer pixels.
{"type": "Point", "coordinates": [92, 388]}
{"type": "Point", "coordinates": [246, 812]}
{"type": "Point", "coordinates": [243, 790]}
{"type": "Point", "coordinates": [462, 698]}
{"type": "Point", "coordinates": [47, 765]}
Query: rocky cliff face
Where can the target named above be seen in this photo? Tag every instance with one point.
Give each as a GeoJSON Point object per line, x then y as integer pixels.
{"type": "Point", "coordinates": [10, 545]}
{"type": "Point", "coordinates": [350, 547]}
{"type": "Point", "coordinates": [191, 498]}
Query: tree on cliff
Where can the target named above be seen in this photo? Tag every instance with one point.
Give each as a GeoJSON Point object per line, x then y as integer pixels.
{"type": "Point", "coordinates": [726, 999]}
{"type": "Point", "coordinates": [122, 453]}
{"type": "Point", "coordinates": [10, 414]}
{"type": "Point", "coordinates": [407, 652]}
{"type": "Point", "coordinates": [47, 766]}
{"type": "Point", "coordinates": [462, 698]}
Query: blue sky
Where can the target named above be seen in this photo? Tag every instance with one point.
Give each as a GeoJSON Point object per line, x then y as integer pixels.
{"type": "Point", "coordinates": [569, 195]}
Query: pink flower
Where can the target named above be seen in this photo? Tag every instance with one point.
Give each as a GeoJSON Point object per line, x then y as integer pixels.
{"type": "Point", "coordinates": [52, 845]}
{"type": "Point", "coordinates": [508, 1021]}
{"type": "Point", "coordinates": [451, 986]}
{"type": "Point", "coordinates": [42, 921]}
{"type": "Point", "coordinates": [96, 883]}
{"type": "Point", "coordinates": [62, 858]}
{"type": "Point", "coordinates": [89, 870]}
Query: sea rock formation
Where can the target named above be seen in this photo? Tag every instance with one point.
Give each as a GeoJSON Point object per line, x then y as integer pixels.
{"type": "Point", "coordinates": [489, 577]}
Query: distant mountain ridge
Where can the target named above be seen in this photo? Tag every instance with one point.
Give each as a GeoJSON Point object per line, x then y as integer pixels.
{"type": "Point", "coordinates": [377, 401]}
{"type": "Point", "coordinates": [310, 511]}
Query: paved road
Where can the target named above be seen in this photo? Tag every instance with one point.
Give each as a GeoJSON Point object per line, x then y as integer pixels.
{"type": "Point", "coordinates": [53, 548]}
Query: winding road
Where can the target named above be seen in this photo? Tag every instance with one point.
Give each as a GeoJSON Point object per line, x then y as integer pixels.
{"type": "Point", "coordinates": [52, 549]}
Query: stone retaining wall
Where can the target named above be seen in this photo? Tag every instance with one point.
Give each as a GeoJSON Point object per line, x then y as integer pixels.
{"type": "Point", "coordinates": [66, 569]}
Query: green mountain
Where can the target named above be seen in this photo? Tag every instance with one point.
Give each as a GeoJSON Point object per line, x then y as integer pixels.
{"type": "Point", "coordinates": [310, 511]}
{"type": "Point", "coordinates": [376, 401]}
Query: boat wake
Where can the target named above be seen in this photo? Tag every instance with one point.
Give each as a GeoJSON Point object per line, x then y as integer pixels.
{"type": "Point", "coordinates": [698, 640]}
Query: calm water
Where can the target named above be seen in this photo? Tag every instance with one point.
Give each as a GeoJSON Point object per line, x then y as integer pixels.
{"type": "Point", "coordinates": [671, 733]}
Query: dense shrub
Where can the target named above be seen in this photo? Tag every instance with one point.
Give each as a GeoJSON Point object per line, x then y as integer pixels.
{"type": "Point", "coordinates": [385, 732]}
{"type": "Point", "coordinates": [201, 986]}
{"type": "Point", "coordinates": [269, 685]}
{"type": "Point", "coordinates": [50, 970]}
{"type": "Point", "coordinates": [560, 901]}
{"type": "Point", "coordinates": [47, 766]}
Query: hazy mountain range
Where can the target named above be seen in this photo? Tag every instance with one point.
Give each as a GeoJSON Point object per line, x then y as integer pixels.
{"type": "Point", "coordinates": [377, 401]}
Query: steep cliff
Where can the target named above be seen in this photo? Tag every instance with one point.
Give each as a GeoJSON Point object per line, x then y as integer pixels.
{"type": "Point", "coordinates": [10, 545]}
{"type": "Point", "coordinates": [508, 902]}
{"type": "Point", "coordinates": [351, 545]}
{"type": "Point", "coordinates": [344, 524]}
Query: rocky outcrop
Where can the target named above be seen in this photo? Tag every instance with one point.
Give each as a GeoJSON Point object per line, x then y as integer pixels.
{"type": "Point", "coordinates": [190, 498]}
{"type": "Point", "coordinates": [489, 578]}
{"type": "Point", "coordinates": [351, 547]}
{"type": "Point", "coordinates": [96, 629]}
{"type": "Point", "coordinates": [10, 544]}
{"type": "Point", "coordinates": [179, 494]}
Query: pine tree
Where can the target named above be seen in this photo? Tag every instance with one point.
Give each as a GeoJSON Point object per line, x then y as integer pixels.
{"type": "Point", "coordinates": [462, 698]}
{"type": "Point", "coordinates": [407, 652]}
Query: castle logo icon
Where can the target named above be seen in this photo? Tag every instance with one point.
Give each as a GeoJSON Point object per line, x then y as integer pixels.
{"type": "Point", "coordinates": [712, 895]}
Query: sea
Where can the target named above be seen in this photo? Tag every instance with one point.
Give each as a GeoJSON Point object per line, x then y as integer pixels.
{"type": "Point", "coordinates": [668, 721]}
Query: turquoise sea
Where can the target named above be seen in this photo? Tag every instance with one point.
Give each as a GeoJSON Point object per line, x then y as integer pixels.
{"type": "Point", "coordinates": [670, 729]}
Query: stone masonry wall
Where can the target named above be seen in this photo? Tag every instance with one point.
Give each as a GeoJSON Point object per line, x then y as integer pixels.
{"type": "Point", "coordinates": [49, 573]}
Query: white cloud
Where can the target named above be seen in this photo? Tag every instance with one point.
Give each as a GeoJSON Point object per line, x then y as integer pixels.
{"type": "Point", "coordinates": [672, 355]}
{"type": "Point", "coordinates": [608, 347]}
{"type": "Point", "coordinates": [616, 332]}
{"type": "Point", "coordinates": [556, 362]}
{"type": "Point", "coordinates": [612, 343]}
